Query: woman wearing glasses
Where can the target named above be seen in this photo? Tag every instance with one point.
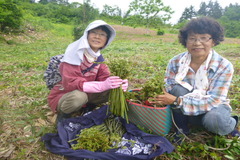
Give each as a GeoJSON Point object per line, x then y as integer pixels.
{"type": "Point", "coordinates": [85, 83]}
{"type": "Point", "coordinates": [198, 80]}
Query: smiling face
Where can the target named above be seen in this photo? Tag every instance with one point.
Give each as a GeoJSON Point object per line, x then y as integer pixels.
{"type": "Point", "coordinates": [199, 45]}
{"type": "Point", "coordinates": [97, 39]}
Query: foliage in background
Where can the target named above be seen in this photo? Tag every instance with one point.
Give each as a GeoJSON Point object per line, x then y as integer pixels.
{"type": "Point", "coordinates": [10, 16]}
{"type": "Point", "coordinates": [141, 13]}
{"type": "Point", "coordinates": [228, 17]}
{"type": "Point", "coordinates": [160, 32]}
{"type": "Point", "coordinates": [212, 9]}
{"type": "Point", "coordinates": [231, 20]}
{"type": "Point", "coordinates": [150, 10]}
{"type": "Point", "coordinates": [78, 31]}
{"type": "Point", "coordinates": [86, 13]}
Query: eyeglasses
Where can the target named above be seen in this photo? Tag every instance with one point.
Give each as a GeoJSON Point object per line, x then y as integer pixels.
{"type": "Point", "coordinates": [101, 35]}
{"type": "Point", "coordinates": [201, 39]}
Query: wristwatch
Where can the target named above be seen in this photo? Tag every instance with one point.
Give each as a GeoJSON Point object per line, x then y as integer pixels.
{"type": "Point", "coordinates": [176, 101]}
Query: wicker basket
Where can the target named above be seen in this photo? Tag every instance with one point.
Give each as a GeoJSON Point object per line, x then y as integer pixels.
{"type": "Point", "coordinates": [156, 119]}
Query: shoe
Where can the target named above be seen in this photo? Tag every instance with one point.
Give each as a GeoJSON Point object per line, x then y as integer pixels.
{"type": "Point", "coordinates": [62, 116]}
{"type": "Point", "coordinates": [236, 118]}
{"type": "Point", "coordinates": [89, 107]}
{"type": "Point", "coordinates": [235, 133]}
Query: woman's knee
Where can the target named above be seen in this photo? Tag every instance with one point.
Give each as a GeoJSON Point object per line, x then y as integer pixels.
{"type": "Point", "coordinates": [79, 98]}
{"type": "Point", "coordinates": [219, 120]}
{"type": "Point", "coordinates": [73, 101]}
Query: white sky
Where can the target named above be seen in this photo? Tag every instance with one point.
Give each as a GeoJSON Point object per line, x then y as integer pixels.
{"type": "Point", "coordinates": [177, 6]}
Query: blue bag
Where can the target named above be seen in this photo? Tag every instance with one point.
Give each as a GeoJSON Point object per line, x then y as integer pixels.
{"type": "Point", "coordinates": [147, 146]}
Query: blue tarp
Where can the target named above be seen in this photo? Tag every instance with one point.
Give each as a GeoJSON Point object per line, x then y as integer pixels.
{"type": "Point", "coordinates": [147, 145]}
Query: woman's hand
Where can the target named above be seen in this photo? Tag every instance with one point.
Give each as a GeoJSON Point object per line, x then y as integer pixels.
{"type": "Point", "coordinates": [101, 86]}
{"type": "Point", "coordinates": [164, 99]}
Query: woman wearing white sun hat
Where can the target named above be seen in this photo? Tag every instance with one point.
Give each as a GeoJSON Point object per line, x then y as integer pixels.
{"type": "Point", "coordinates": [85, 82]}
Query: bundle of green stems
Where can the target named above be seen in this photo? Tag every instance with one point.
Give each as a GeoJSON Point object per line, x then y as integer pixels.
{"type": "Point", "coordinates": [118, 104]}
{"type": "Point", "coordinates": [117, 101]}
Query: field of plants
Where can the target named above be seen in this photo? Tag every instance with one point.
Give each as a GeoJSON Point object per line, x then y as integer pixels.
{"type": "Point", "coordinates": [25, 115]}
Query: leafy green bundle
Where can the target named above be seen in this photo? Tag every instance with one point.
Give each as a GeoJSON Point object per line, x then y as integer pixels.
{"type": "Point", "coordinates": [153, 87]}
{"type": "Point", "coordinates": [150, 89]}
{"type": "Point", "coordinates": [101, 137]}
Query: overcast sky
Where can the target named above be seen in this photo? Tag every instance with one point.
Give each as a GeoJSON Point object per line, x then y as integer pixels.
{"type": "Point", "coordinates": [177, 6]}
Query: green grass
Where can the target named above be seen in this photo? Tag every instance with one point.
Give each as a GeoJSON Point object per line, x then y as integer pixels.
{"type": "Point", "coordinates": [25, 116]}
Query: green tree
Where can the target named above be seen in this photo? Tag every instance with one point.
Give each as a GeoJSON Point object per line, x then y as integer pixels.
{"type": "Point", "coordinates": [188, 14]}
{"type": "Point", "coordinates": [83, 15]}
{"type": "Point", "coordinates": [10, 16]}
{"type": "Point", "coordinates": [231, 21]}
{"type": "Point", "coordinates": [111, 11]}
{"type": "Point", "coordinates": [86, 13]}
{"type": "Point", "coordinates": [133, 20]}
{"type": "Point", "coordinates": [74, 5]}
{"type": "Point", "coordinates": [54, 1]}
{"type": "Point", "coordinates": [28, 1]}
{"type": "Point", "coordinates": [215, 10]}
{"type": "Point", "coordinates": [203, 9]}
{"type": "Point", "coordinates": [212, 9]}
{"type": "Point", "coordinates": [62, 14]}
{"type": "Point", "coordinates": [65, 2]}
{"type": "Point", "coordinates": [150, 9]}
{"type": "Point", "coordinates": [43, 1]}
{"type": "Point", "coordinates": [232, 12]}
{"type": "Point", "coordinates": [37, 9]}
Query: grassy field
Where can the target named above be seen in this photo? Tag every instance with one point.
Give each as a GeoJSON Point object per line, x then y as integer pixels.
{"type": "Point", "coordinates": [25, 116]}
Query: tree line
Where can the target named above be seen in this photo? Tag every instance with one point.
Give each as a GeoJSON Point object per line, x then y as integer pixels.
{"type": "Point", "coordinates": [148, 13]}
{"type": "Point", "coordinates": [229, 16]}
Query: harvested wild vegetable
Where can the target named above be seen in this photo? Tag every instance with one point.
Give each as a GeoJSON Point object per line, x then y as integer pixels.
{"type": "Point", "coordinates": [101, 137]}
{"type": "Point", "coordinates": [92, 139]}
{"type": "Point", "coordinates": [117, 101]}
{"type": "Point", "coordinates": [150, 89]}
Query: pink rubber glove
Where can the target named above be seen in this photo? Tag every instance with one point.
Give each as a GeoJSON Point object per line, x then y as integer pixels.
{"type": "Point", "coordinates": [101, 86]}
{"type": "Point", "coordinates": [124, 85]}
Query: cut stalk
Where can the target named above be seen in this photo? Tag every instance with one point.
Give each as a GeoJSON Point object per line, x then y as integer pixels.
{"type": "Point", "coordinates": [118, 105]}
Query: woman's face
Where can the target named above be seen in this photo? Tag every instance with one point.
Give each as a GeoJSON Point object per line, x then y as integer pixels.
{"type": "Point", "coordinates": [199, 45]}
{"type": "Point", "coordinates": [97, 39]}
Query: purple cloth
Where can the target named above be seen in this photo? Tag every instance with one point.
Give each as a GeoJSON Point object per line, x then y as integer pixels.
{"type": "Point", "coordinates": [69, 128]}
